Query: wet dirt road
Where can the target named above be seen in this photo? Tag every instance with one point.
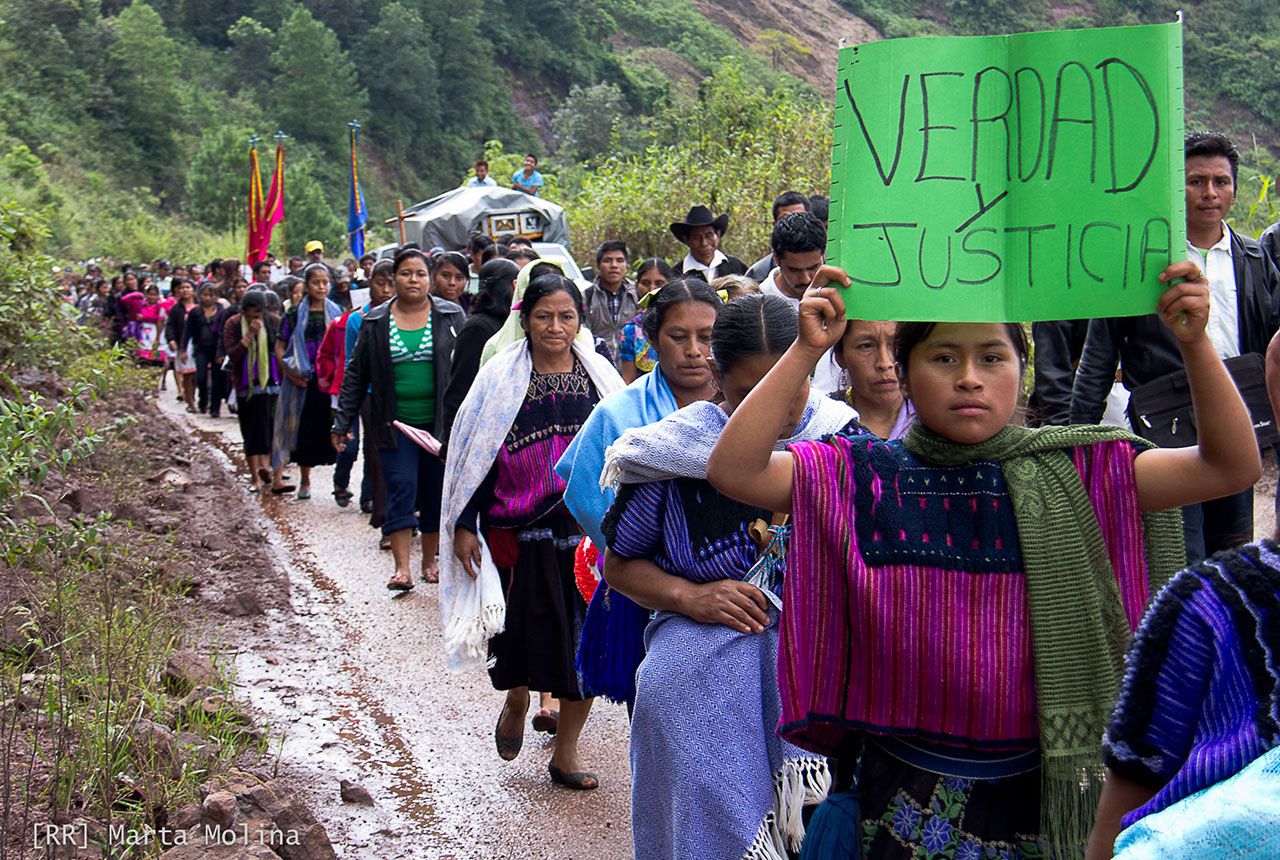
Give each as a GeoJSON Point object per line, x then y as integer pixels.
{"type": "Point", "coordinates": [354, 684]}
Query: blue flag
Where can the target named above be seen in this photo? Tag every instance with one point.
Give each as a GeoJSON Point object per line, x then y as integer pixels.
{"type": "Point", "coordinates": [357, 215]}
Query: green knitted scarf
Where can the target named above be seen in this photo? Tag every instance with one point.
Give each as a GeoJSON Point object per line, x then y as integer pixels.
{"type": "Point", "coordinates": [1078, 627]}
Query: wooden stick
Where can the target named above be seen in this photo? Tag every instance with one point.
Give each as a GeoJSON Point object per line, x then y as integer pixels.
{"type": "Point", "coordinates": [400, 218]}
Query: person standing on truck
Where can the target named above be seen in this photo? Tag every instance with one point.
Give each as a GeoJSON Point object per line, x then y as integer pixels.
{"type": "Point", "coordinates": [528, 180]}
{"type": "Point", "coordinates": [482, 179]}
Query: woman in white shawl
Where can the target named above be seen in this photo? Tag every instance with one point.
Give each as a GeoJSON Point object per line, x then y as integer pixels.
{"type": "Point", "coordinates": [509, 582]}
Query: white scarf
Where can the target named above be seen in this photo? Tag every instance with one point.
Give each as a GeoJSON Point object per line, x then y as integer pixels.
{"type": "Point", "coordinates": [679, 445]}
{"type": "Point", "coordinates": [472, 611]}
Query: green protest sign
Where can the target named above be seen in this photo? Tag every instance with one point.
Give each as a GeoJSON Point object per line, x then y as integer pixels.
{"type": "Point", "coordinates": [1009, 178]}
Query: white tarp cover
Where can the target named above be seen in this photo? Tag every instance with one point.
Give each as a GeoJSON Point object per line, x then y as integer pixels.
{"type": "Point", "coordinates": [449, 219]}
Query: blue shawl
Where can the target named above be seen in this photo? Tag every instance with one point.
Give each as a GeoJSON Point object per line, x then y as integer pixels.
{"type": "Point", "coordinates": [612, 641]}
{"type": "Point", "coordinates": [644, 401]}
{"type": "Point", "coordinates": [289, 405]}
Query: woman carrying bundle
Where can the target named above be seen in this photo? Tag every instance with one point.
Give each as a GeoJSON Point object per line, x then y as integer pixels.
{"type": "Point", "coordinates": [711, 779]}
{"type": "Point", "coordinates": [958, 603]}
{"type": "Point", "coordinates": [678, 323]}
{"type": "Point", "coordinates": [515, 590]}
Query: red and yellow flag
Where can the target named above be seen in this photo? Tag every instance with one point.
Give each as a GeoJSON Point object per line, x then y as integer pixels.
{"type": "Point", "coordinates": [273, 211]}
{"type": "Point", "coordinates": [253, 249]}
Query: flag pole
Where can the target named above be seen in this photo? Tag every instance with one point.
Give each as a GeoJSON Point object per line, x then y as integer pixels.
{"type": "Point", "coordinates": [280, 137]}
{"type": "Point", "coordinates": [400, 217]}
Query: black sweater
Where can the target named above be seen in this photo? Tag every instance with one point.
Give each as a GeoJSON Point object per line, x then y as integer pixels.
{"type": "Point", "coordinates": [476, 332]}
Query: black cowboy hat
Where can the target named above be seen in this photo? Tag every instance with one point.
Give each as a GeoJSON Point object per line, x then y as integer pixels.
{"type": "Point", "coordinates": [699, 216]}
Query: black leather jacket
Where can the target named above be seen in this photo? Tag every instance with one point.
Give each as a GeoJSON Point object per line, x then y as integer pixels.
{"type": "Point", "coordinates": [1147, 350]}
{"type": "Point", "coordinates": [1270, 242]}
{"type": "Point", "coordinates": [369, 371]}
{"type": "Point", "coordinates": [1058, 347]}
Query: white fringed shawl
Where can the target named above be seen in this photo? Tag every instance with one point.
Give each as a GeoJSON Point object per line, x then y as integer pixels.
{"type": "Point", "coordinates": [474, 610]}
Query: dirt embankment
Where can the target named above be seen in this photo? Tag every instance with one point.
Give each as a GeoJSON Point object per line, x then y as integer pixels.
{"type": "Point", "coordinates": [114, 727]}
{"type": "Point", "coordinates": [818, 25]}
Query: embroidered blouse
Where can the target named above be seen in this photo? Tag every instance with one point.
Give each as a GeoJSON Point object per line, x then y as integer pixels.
{"type": "Point", "coordinates": [526, 486]}
{"type": "Point", "coordinates": [906, 601]}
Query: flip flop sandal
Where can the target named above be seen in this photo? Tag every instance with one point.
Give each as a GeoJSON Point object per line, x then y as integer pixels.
{"type": "Point", "coordinates": [549, 722]}
{"type": "Point", "coordinates": [281, 490]}
{"type": "Point", "coordinates": [303, 495]}
{"type": "Point", "coordinates": [432, 575]}
{"type": "Point", "coordinates": [400, 586]}
{"type": "Point", "coordinates": [385, 543]}
{"type": "Point", "coordinates": [342, 497]}
{"type": "Point", "coordinates": [508, 747]}
{"type": "Point", "coordinates": [580, 781]}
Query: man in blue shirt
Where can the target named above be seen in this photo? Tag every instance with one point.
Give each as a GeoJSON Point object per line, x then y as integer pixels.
{"type": "Point", "coordinates": [528, 180]}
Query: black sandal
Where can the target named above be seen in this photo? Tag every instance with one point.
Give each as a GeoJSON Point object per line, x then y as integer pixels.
{"type": "Point", "coordinates": [281, 490]}
{"type": "Point", "coordinates": [401, 586]}
{"type": "Point", "coordinates": [549, 723]}
{"type": "Point", "coordinates": [508, 747]}
{"type": "Point", "coordinates": [580, 781]}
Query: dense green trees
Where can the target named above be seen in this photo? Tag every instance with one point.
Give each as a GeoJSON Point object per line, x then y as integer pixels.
{"type": "Point", "coordinates": [733, 148]}
{"type": "Point", "coordinates": [396, 59]}
{"type": "Point", "coordinates": [314, 87]}
{"type": "Point", "coordinates": [136, 112]}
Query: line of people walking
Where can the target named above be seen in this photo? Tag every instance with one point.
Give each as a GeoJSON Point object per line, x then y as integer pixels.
{"type": "Point", "coordinates": [860, 596]}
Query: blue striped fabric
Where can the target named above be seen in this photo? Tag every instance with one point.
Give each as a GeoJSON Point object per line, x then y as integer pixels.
{"type": "Point", "coordinates": [1201, 696]}
{"type": "Point", "coordinates": [653, 524]}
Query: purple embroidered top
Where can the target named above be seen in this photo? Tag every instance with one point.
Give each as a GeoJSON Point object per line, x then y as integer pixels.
{"type": "Point", "coordinates": [906, 601]}
{"type": "Point", "coordinates": [527, 487]}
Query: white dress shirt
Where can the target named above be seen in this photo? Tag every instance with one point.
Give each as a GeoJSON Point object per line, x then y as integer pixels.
{"type": "Point", "coordinates": [1224, 324]}
{"type": "Point", "coordinates": [691, 264]}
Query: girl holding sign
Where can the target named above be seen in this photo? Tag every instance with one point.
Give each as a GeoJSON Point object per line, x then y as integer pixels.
{"type": "Point", "coordinates": [958, 602]}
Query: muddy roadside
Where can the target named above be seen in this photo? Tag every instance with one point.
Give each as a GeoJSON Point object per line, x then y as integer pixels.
{"type": "Point", "coordinates": [121, 735]}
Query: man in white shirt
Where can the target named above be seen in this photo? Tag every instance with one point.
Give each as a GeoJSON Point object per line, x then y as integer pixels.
{"type": "Point", "coordinates": [482, 179]}
{"type": "Point", "coordinates": [799, 243]}
{"type": "Point", "coordinates": [702, 233]}
{"type": "Point", "coordinates": [1210, 185]}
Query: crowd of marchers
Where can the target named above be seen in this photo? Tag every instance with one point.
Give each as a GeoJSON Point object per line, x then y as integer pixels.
{"type": "Point", "coordinates": [860, 595]}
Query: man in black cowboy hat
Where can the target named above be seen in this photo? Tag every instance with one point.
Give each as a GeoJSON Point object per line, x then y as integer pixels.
{"type": "Point", "coordinates": [702, 232]}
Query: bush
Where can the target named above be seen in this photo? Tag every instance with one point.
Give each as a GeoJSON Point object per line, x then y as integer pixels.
{"type": "Point", "coordinates": [37, 328]}
{"type": "Point", "coordinates": [734, 149]}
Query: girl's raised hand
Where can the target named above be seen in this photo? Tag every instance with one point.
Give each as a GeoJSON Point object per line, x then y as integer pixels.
{"type": "Point", "coordinates": [821, 317]}
{"type": "Point", "coordinates": [1184, 307]}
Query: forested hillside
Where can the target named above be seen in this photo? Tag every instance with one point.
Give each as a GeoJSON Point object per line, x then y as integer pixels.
{"type": "Point", "coordinates": [126, 124]}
